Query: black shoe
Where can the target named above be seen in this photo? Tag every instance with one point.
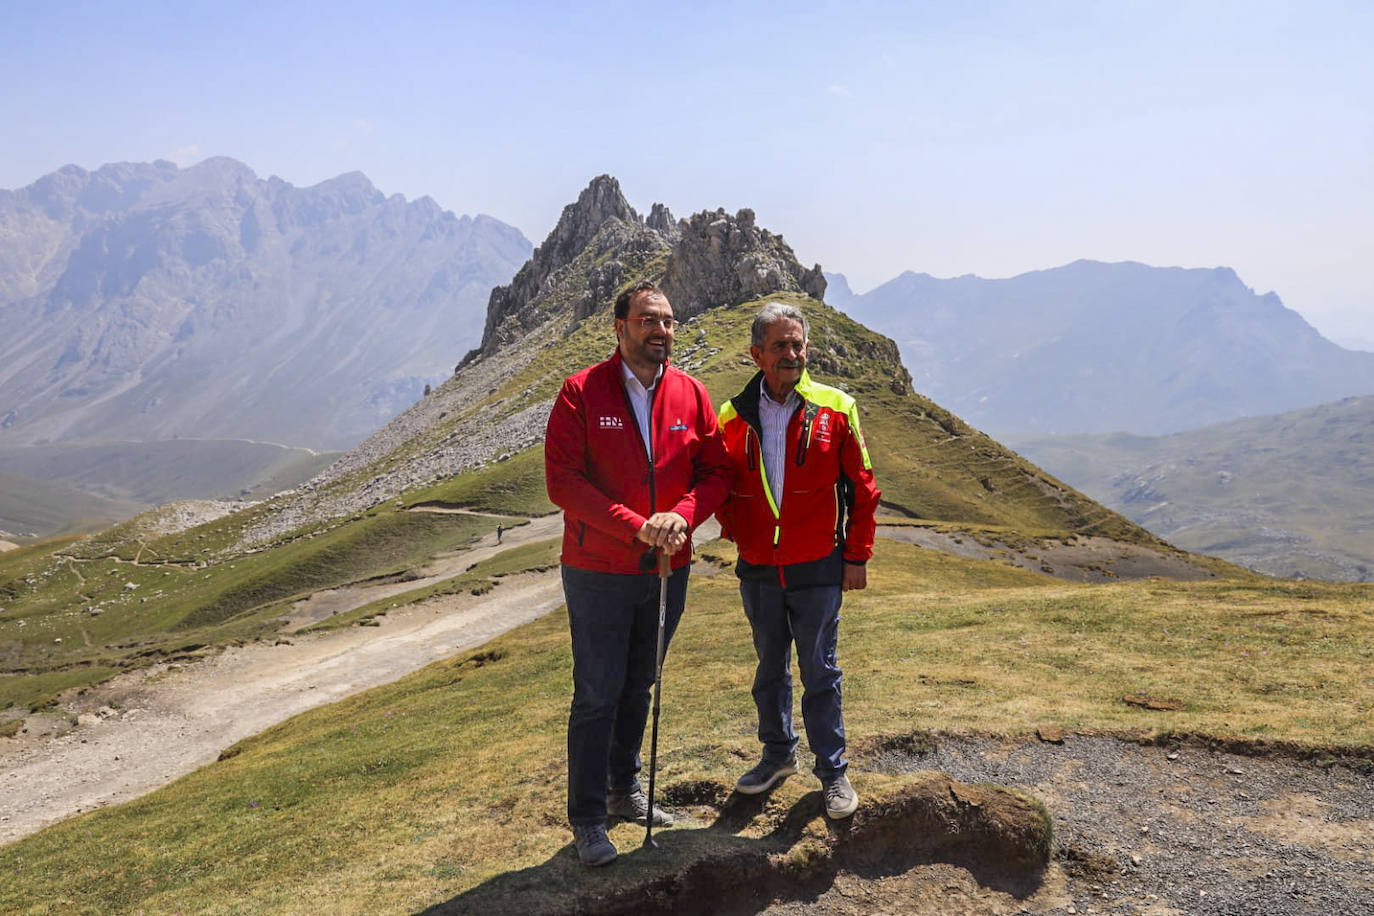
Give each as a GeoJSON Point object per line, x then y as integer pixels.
{"type": "Point", "coordinates": [840, 798]}
{"type": "Point", "coordinates": [593, 846]}
{"type": "Point", "coordinates": [764, 776]}
{"type": "Point", "coordinates": [634, 806]}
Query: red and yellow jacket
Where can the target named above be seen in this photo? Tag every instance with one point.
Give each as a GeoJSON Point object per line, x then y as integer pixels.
{"type": "Point", "coordinates": [597, 471]}
{"type": "Point", "coordinates": [829, 497]}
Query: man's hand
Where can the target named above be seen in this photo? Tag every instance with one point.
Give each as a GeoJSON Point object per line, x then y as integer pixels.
{"type": "Point", "coordinates": [855, 577]}
{"type": "Point", "coordinates": [665, 530]}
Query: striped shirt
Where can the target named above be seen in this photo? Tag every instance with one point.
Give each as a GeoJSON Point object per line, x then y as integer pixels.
{"type": "Point", "coordinates": [773, 417]}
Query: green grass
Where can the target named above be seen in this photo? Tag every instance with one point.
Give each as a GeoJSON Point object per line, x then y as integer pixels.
{"type": "Point", "coordinates": [929, 464]}
{"type": "Point", "coordinates": [478, 580]}
{"type": "Point", "coordinates": [513, 487]}
{"type": "Point", "coordinates": [49, 637]}
{"type": "Point", "coordinates": [415, 792]}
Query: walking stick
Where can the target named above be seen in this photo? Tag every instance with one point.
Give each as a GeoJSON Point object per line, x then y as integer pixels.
{"type": "Point", "coordinates": [664, 571]}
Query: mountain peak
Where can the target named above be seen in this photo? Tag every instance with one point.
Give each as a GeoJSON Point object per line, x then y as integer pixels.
{"type": "Point", "coordinates": [581, 220]}
{"type": "Point", "coordinates": [222, 167]}
{"type": "Point", "coordinates": [600, 217]}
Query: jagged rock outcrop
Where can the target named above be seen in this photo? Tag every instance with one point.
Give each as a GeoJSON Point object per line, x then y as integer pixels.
{"type": "Point", "coordinates": [661, 220]}
{"type": "Point", "coordinates": [578, 267]}
{"type": "Point", "coordinates": [724, 260]}
{"type": "Point", "coordinates": [601, 243]}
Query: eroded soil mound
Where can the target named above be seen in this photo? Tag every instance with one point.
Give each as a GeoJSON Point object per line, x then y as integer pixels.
{"type": "Point", "coordinates": [1000, 837]}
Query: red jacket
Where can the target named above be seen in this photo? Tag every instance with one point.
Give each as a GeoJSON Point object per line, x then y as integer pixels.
{"type": "Point", "coordinates": [597, 471]}
{"type": "Point", "coordinates": [827, 477]}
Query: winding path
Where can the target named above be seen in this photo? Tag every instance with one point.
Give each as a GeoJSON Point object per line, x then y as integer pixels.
{"type": "Point", "coordinates": [144, 729]}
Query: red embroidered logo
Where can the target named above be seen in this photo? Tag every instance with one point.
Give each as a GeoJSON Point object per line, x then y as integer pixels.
{"type": "Point", "coordinates": [823, 427]}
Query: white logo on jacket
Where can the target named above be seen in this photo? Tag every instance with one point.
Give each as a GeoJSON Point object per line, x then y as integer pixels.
{"type": "Point", "coordinates": [612, 423]}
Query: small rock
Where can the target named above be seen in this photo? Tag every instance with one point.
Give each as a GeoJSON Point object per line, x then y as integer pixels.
{"type": "Point", "coordinates": [1172, 755]}
{"type": "Point", "coordinates": [1135, 860]}
{"type": "Point", "coordinates": [1050, 734]}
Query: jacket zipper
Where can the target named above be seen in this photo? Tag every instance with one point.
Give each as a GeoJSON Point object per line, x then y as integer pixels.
{"type": "Point", "coordinates": [646, 447]}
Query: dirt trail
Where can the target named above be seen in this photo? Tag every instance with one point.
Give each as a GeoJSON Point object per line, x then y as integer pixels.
{"type": "Point", "coordinates": [442, 566]}
{"type": "Point", "coordinates": [169, 722]}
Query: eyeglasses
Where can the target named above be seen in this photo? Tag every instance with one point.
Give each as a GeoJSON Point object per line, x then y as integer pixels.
{"type": "Point", "coordinates": [650, 322]}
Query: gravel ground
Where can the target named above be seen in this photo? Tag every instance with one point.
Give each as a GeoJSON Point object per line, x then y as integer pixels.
{"type": "Point", "coordinates": [1186, 830]}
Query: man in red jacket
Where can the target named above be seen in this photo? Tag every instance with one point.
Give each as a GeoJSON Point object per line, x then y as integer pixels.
{"type": "Point", "coordinates": [634, 458]}
{"type": "Point", "coordinates": [801, 511]}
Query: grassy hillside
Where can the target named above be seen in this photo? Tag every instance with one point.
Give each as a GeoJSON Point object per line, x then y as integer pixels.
{"type": "Point", "coordinates": [440, 784]}
{"type": "Point", "coordinates": [74, 615]}
{"type": "Point", "coordinates": [437, 785]}
{"type": "Point", "coordinates": [1290, 494]}
{"type": "Point", "coordinates": [929, 464]}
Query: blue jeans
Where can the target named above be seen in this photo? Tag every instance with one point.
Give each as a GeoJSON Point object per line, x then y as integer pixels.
{"type": "Point", "coordinates": [614, 623]}
{"type": "Point", "coordinates": [811, 618]}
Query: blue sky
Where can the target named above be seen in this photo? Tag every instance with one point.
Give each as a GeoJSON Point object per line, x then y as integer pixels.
{"type": "Point", "coordinates": [948, 138]}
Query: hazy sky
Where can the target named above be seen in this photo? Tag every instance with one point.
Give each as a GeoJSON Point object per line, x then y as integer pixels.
{"type": "Point", "coordinates": [948, 138]}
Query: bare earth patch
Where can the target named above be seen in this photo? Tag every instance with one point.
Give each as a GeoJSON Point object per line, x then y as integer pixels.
{"type": "Point", "coordinates": [1162, 830]}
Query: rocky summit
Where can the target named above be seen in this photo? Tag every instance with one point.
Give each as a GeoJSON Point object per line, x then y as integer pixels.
{"type": "Point", "coordinates": [601, 243]}
{"type": "Point", "coordinates": [721, 260]}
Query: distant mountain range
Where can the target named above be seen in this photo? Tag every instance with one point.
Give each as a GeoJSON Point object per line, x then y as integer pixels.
{"type": "Point", "coordinates": [1093, 347]}
{"type": "Point", "coordinates": [1289, 495]}
{"type": "Point", "coordinates": [148, 302]}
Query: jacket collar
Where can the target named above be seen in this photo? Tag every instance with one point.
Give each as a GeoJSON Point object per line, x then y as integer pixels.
{"type": "Point", "coordinates": [747, 401]}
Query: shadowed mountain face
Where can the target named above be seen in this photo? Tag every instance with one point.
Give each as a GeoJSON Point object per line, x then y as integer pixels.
{"type": "Point", "coordinates": [1093, 347]}
{"type": "Point", "coordinates": [143, 301]}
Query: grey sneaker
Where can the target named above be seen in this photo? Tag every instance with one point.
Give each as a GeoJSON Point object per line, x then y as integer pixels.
{"type": "Point", "coordinates": [840, 798]}
{"type": "Point", "coordinates": [764, 776]}
{"type": "Point", "coordinates": [593, 846]}
{"type": "Point", "coordinates": [634, 806]}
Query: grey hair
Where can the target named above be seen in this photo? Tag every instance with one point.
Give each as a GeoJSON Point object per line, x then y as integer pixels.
{"type": "Point", "coordinates": [777, 311]}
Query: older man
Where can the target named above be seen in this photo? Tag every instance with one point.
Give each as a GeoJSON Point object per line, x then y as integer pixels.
{"type": "Point", "coordinates": [801, 511]}
{"type": "Point", "coordinates": [634, 458]}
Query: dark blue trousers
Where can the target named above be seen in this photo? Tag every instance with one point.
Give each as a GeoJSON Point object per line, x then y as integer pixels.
{"type": "Point", "coordinates": [810, 617]}
{"type": "Point", "coordinates": [614, 623]}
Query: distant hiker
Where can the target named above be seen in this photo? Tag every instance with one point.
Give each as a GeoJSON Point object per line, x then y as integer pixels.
{"type": "Point", "coordinates": [499, 531]}
{"type": "Point", "coordinates": [633, 456]}
{"type": "Point", "coordinates": [802, 514]}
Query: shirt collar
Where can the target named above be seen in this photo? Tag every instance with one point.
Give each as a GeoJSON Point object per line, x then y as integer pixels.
{"type": "Point", "coordinates": [789, 403]}
{"type": "Point", "coordinates": [630, 379]}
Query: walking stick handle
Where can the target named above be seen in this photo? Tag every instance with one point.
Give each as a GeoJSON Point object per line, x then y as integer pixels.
{"type": "Point", "coordinates": [665, 564]}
